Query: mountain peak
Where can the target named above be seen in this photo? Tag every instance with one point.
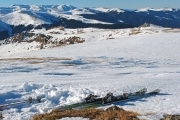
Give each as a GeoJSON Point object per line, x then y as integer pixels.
{"type": "Point", "coordinates": [43, 8]}
{"type": "Point", "coordinates": [63, 7]}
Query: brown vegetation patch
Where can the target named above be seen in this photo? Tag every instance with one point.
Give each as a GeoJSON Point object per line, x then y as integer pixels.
{"type": "Point", "coordinates": [35, 62]}
{"type": "Point", "coordinates": [171, 30]}
{"type": "Point", "coordinates": [57, 59]}
{"type": "Point", "coordinates": [167, 30]}
{"type": "Point", "coordinates": [58, 27]}
{"type": "Point", "coordinates": [31, 58]}
{"type": "Point", "coordinates": [1, 116]}
{"type": "Point", "coordinates": [134, 32]}
{"type": "Point", "coordinates": [171, 117]}
{"type": "Point", "coordinates": [20, 59]}
{"type": "Point", "coordinates": [112, 113]}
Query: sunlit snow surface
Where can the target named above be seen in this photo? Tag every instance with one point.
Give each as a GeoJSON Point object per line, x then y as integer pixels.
{"type": "Point", "coordinates": [65, 75]}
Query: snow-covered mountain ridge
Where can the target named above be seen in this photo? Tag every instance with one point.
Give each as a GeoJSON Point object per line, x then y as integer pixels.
{"type": "Point", "coordinates": [66, 8]}
{"type": "Point", "coordinates": [19, 18]}
{"type": "Point", "coordinates": [157, 9]}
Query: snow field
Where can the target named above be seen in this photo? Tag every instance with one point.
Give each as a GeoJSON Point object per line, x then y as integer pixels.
{"type": "Point", "coordinates": [65, 75]}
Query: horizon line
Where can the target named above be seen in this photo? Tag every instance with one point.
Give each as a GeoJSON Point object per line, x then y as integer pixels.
{"type": "Point", "coordinates": [88, 7]}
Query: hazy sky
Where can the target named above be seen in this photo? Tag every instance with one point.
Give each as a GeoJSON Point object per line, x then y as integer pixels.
{"type": "Point", "coordinates": [126, 4]}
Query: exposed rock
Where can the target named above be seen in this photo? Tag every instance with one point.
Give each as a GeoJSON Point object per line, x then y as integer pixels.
{"type": "Point", "coordinates": [171, 117]}
{"type": "Point", "coordinates": [1, 116]}
{"type": "Point", "coordinates": [145, 25]}
{"type": "Point", "coordinates": [113, 108]}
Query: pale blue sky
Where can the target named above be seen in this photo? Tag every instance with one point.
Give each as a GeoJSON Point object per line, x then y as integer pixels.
{"type": "Point", "coordinates": [126, 4]}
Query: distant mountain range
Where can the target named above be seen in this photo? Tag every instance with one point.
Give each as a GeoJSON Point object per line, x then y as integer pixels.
{"type": "Point", "coordinates": [18, 18]}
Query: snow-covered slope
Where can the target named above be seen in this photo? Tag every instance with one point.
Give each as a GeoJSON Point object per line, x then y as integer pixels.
{"type": "Point", "coordinates": [32, 14]}
{"type": "Point", "coordinates": [44, 14]}
{"type": "Point", "coordinates": [61, 36]}
{"type": "Point", "coordinates": [66, 74]}
{"type": "Point", "coordinates": [24, 18]}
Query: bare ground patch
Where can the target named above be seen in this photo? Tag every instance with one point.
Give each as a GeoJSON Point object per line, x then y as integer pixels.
{"type": "Point", "coordinates": [33, 60]}
{"type": "Point", "coordinates": [1, 116]}
{"type": "Point", "coordinates": [171, 30]}
{"type": "Point", "coordinates": [112, 113]}
{"type": "Point", "coordinates": [171, 117]}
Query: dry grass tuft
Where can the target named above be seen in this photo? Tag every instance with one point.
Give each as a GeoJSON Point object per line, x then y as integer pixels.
{"type": "Point", "coordinates": [31, 58]}
{"type": "Point", "coordinates": [20, 59]}
{"type": "Point", "coordinates": [68, 65]}
{"type": "Point", "coordinates": [171, 117]}
{"type": "Point", "coordinates": [171, 30]}
{"type": "Point", "coordinates": [97, 114]}
{"type": "Point", "coordinates": [1, 116]}
{"type": "Point", "coordinates": [134, 32]}
{"type": "Point", "coordinates": [35, 62]}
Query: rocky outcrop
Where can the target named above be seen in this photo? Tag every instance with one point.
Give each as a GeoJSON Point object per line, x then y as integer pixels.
{"type": "Point", "coordinates": [46, 41]}
{"type": "Point", "coordinates": [145, 25]}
